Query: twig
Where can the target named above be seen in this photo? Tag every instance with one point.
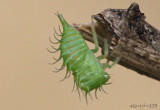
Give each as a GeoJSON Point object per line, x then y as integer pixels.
{"type": "Point", "coordinates": [130, 37]}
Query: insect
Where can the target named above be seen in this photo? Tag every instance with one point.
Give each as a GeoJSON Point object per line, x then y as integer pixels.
{"type": "Point", "coordinates": [86, 69]}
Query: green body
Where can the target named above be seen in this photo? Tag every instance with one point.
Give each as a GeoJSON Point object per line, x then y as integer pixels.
{"type": "Point", "coordinates": [88, 72]}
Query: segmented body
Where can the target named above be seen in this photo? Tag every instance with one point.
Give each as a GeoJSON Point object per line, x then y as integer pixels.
{"type": "Point", "coordinates": [88, 72]}
{"type": "Point", "coordinates": [79, 59]}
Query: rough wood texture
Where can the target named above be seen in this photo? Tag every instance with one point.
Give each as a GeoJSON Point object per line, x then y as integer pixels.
{"type": "Point", "coordinates": [129, 36]}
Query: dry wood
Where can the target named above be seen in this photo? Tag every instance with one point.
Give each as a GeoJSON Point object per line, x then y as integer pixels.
{"type": "Point", "coordinates": [129, 36]}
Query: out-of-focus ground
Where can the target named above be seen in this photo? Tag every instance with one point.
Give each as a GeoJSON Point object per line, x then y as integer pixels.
{"type": "Point", "coordinates": [27, 81]}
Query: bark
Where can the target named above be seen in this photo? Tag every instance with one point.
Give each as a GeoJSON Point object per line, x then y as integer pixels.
{"type": "Point", "coordinates": [130, 37]}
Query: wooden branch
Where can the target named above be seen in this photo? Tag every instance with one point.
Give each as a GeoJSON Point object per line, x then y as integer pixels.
{"type": "Point", "coordinates": [129, 36]}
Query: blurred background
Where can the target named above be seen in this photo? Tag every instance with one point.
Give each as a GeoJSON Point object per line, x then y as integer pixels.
{"type": "Point", "coordinates": [26, 79]}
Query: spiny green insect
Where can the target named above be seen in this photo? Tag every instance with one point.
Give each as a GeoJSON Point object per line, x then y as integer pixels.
{"type": "Point", "coordinates": [86, 69]}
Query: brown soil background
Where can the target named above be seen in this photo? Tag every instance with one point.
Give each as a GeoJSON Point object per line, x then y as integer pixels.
{"type": "Point", "coordinates": [27, 81]}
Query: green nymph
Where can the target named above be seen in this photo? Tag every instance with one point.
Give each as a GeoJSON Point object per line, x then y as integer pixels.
{"type": "Point", "coordinates": [87, 70]}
